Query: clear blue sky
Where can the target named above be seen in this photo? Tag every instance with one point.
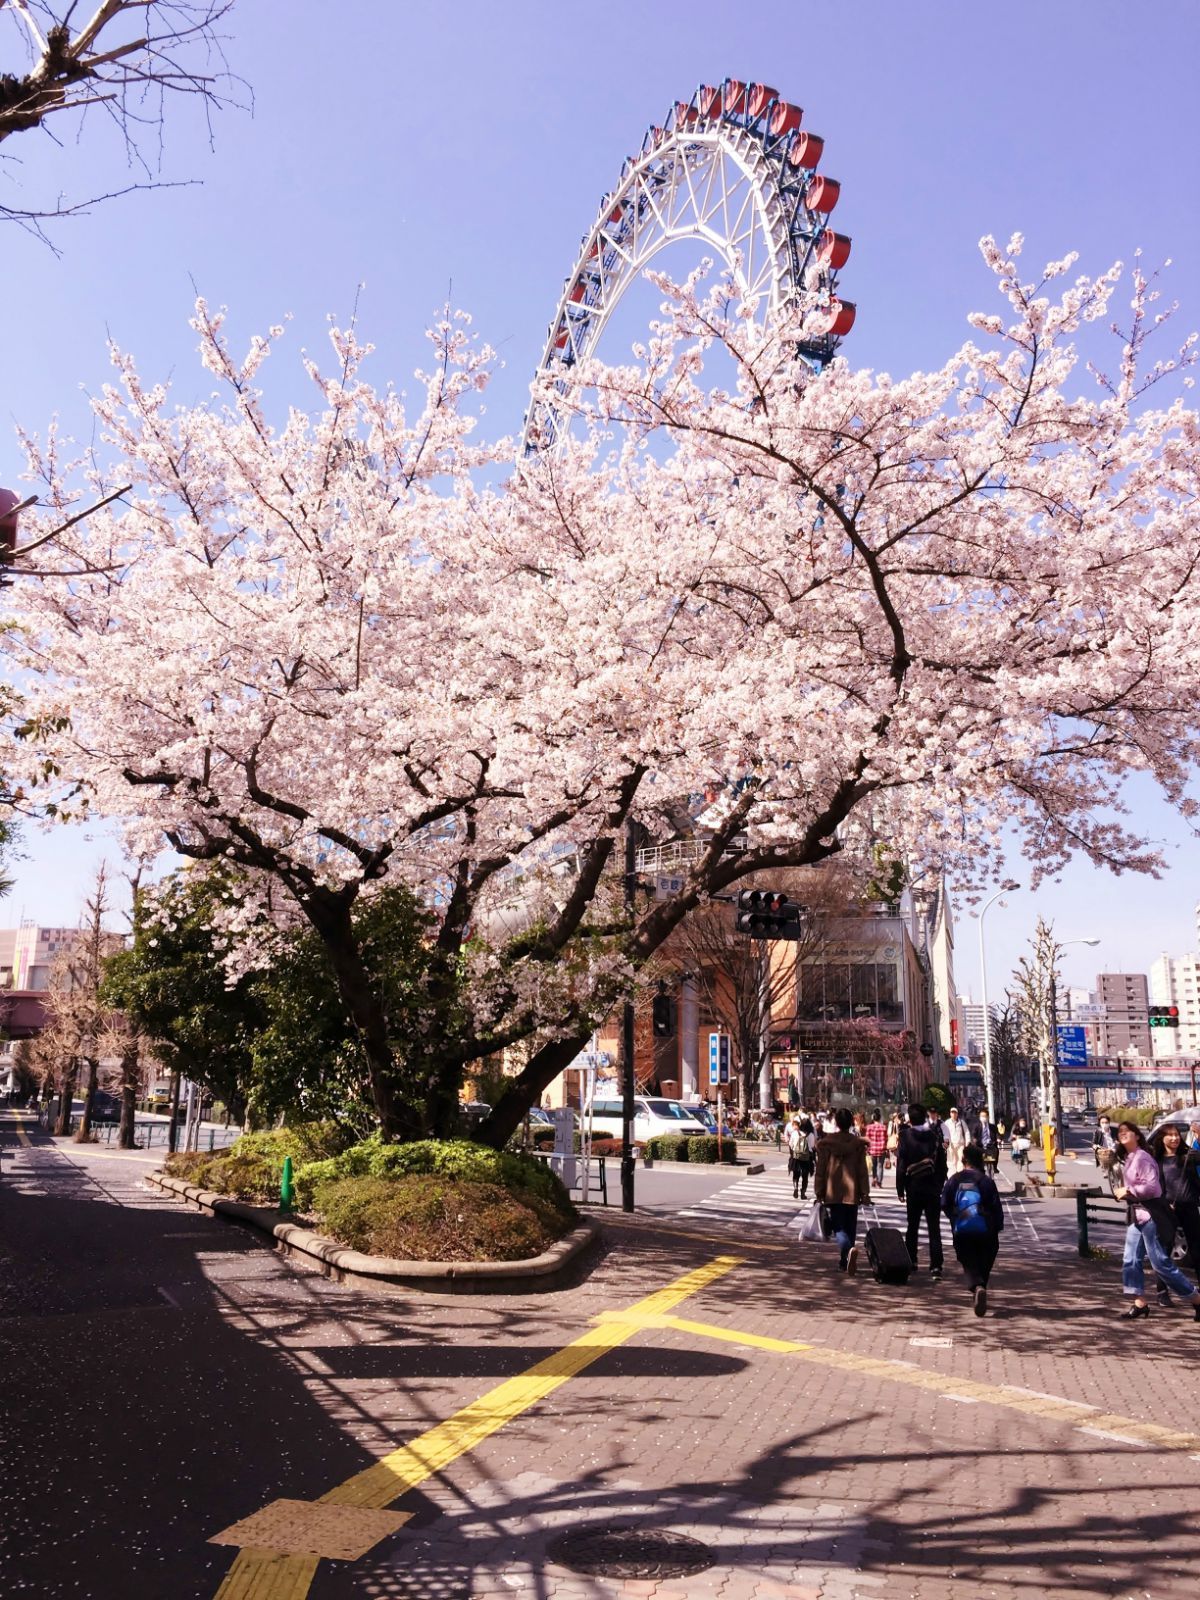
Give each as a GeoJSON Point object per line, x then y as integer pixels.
{"type": "Point", "coordinates": [425, 149]}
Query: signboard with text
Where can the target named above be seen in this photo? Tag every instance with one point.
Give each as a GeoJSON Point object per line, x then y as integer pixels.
{"type": "Point", "coordinates": [1072, 1045]}
{"type": "Point", "coordinates": [718, 1059]}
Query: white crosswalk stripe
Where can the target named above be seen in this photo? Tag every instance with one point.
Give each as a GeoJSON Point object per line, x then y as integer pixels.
{"type": "Point", "coordinates": [766, 1201]}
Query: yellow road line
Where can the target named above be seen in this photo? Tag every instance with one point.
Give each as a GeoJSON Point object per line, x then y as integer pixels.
{"type": "Point", "coordinates": [22, 1136]}
{"type": "Point", "coordinates": [943, 1383]}
{"type": "Point", "coordinates": [262, 1575]}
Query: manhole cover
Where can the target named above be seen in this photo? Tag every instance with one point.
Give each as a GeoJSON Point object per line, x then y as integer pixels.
{"type": "Point", "coordinates": [631, 1553]}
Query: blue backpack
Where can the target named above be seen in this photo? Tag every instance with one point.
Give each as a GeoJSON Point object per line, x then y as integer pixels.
{"type": "Point", "coordinates": [969, 1216]}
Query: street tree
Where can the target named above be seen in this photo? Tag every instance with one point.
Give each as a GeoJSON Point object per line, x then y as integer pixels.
{"type": "Point", "coordinates": [118, 62]}
{"type": "Point", "coordinates": [942, 611]}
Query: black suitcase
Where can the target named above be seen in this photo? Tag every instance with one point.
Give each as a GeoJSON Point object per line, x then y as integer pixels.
{"type": "Point", "coordinates": [888, 1255]}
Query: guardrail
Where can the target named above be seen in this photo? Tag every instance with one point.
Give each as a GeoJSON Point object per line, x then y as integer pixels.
{"type": "Point", "coordinates": [1094, 1211]}
{"type": "Point", "coordinates": [596, 1163]}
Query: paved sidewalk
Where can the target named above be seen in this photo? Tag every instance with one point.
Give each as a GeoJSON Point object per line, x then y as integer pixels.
{"type": "Point", "coordinates": [824, 1438]}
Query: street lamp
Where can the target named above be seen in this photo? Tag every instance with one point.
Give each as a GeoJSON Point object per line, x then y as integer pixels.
{"type": "Point", "coordinates": [1051, 1114]}
{"type": "Point", "coordinates": [988, 1081]}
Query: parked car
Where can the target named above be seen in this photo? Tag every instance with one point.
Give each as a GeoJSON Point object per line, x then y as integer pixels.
{"type": "Point", "coordinates": [705, 1113]}
{"type": "Point", "coordinates": [651, 1118]}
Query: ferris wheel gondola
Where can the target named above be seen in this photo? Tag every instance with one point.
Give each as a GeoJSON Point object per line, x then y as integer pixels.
{"type": "Point", "coordinates": [733, 168]}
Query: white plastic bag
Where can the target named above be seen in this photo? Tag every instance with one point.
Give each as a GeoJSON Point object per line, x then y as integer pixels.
{"type": "Point", "coordinates": [812, 1227]}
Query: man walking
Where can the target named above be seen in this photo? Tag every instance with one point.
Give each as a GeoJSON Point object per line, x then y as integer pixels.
{"type": "Point", "coordinates": [984, 1134]}
{"type": "Point", "coordinates": [843, 1183]}
{"type": "Point", "coordinates": [920, 1175]}
{"type": "Point", "coordinates": [972, 1203]}
{"type": "Point", "coordinates": [954, 1132]}
{"type": "Point", "coordinates": [877, 1147]}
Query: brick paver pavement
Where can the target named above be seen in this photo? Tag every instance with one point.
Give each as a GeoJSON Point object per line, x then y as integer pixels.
{"type": "Point", "coordinates": [910, 1450]}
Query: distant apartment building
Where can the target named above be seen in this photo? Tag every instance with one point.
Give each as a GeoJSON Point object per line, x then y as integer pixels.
{"type": "Point", "coordinates": [1175, 981]}
{"type": "Point", "coordinates": [1124, 1021]}
{"type": "Point", "coordinates": [971, 1012]}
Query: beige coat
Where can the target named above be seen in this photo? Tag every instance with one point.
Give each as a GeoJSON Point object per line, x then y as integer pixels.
{"type": "Point", "coordinates": [842, 1176]}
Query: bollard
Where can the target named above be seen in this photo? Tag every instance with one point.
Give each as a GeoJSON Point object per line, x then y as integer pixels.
{"type": "Point", "coordinates": [212, 1140]}
{"type": "Point", "coordinates": [1081, 1220]}
{"type": "Point", "coordinates": [285, 1186]}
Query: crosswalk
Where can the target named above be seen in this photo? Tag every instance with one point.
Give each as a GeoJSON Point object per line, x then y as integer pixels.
{"type": "Point", "coordinates": [765, 1202]}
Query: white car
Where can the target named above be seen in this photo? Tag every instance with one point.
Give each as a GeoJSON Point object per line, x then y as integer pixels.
{"type": "Point", "coordinates": [651, 1118]}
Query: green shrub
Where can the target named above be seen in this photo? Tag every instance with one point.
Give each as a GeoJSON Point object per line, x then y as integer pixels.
{"type": "Point", "coordinates": [459, 1159]}
{"type": "Point", "coordinates": [251, 1168]}
{"type": "Point", "coordinates": [937, 1098]}
{"type": "Point", "coordinates": [667, 1147]}
{"type": "Point", "coordinates": [1143, 1116]}
{"type": "Point", "coordinates": [704, 1148]}
{"type": "Point", "coordinates": [423, 1217]}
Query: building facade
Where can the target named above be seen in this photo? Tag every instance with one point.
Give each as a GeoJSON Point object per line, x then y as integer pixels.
{"type": "Point", "coordinates": [1123, 1026]}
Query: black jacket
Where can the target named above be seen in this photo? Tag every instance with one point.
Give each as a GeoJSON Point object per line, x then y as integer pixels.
{"type": "Point", "coordinates": [1181, 1178]}
{"type": "Point", "coordinates": [989, 1195]}
{"type": "Point", "coordinates": [920, 1160]}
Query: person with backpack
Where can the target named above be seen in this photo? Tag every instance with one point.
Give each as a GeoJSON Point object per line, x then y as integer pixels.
{"type": "Point", "coordinates": [972, 1203]}
{"type": "Point", "coordinates": [920, 1175]}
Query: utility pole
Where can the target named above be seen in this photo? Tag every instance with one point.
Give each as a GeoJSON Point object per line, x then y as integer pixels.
{"type": "Point", "coordinates": [627, 1040]}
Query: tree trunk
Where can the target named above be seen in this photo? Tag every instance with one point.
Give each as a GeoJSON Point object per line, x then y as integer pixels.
{"type": "Point", "coordinates": [173, 1114]}
{"type": "Point", "coordinates": [84, 1131]}
{"type": "Point", "coordinates": [66, 1096]}
{"type": "Point", "coordinates": [127, 1132]}
{"type": "Point", "coordinates": [361, 995]}
{"type": "Point", "coordinates": [540, 1071]}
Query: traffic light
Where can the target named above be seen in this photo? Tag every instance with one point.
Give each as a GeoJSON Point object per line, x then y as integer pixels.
{"type": "Point", "coordinates": [767, 914]}
{"type": "Point", "coordinates": [1164, 1016]}
{"type": "Point", "coordinates": [664, 1014]}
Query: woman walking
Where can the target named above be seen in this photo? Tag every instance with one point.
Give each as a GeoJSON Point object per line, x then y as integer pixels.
{"type": "Point", "coordinates": [1181, 1189]}
{"type": "Point", "coordinates": [1151, 1230]}
{"type": "Point", "coordinates": [802, 1157]}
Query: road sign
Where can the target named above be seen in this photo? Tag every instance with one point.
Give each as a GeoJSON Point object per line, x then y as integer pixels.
{"type": "Point", "coordinates": [1072, 1045]}
{"type": "Point", "coordinates": [718, 1059]}
{"type": "Point", "coordinates": [961, 1061]}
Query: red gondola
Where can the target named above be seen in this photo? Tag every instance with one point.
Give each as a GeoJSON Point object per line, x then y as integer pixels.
{"type": "Point", "coordinates": [822, 194]}
{"type": "Point", "coordinates": [708, 99]}
{"type": "Point", "coordinates": [760, 98]}
{"type": "Point", "coordinates": [785, 118]}
{"type": "Point", "coordinates": [806, 150]}
{"type": "Point", "coordinates": [833, 249]}
{"type": "Point", "coordinates": [735, 97]}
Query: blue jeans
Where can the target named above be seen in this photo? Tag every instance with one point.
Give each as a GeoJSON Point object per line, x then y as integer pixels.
{"type": "Point", "coordinates": [845, 1226]}
{"type": "Point", "coordinates": [1141, 1240]}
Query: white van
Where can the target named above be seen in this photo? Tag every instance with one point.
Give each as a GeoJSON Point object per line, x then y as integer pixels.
{"type": "Point", "coordinates": [651, 1117]}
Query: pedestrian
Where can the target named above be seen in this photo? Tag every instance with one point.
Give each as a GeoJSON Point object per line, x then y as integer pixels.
{"type": "Point", "coordinates": [860, 1124]}
{"type": "Point", "coordinates": [806, 1155]}
{"type": "Point", "coordinates": [1151, 1230]}
{"type": "Point", "coordinates": [1180, 1168]}
{"type": "Point", "coordinates": [843, 1183]}
{"type": "Point", "coordinates": [794, 1139]}
{"type": "Point", "coordinates": [985, 1135]}
{"type": "Point", "coordinates": [971, 1201]}
{"type": "Point", "coordinates": [877, 1144]}
{"type": "Point", "coordinates": [954, 1132]}
{"type": "Point", "coordinates": [1104, 1139]}
{"type": "Point", "coordinates": [1194, 1136]}
{"type": "Point", "coordinates": [920, 1177]}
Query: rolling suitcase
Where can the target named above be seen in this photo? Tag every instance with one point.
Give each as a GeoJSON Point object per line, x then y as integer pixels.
{"type": "Point", "coordinates": [888, 1255]}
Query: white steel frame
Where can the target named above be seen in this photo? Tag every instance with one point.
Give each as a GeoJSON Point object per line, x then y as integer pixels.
{"type": "Point", "coordinates": [720, 180]}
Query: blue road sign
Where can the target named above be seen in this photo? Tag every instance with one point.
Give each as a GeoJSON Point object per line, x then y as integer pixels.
{"type": "Point", "coordinates": [1072, 1045]}
{"type": "Point", "coordinates": [718, 1059]}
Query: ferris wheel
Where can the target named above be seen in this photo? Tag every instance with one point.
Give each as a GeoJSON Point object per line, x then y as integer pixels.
{"type": "Point", "coordinates": [732, 168]}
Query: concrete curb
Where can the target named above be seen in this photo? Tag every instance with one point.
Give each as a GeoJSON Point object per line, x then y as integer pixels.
{"type": "Point", "coordinates": [535, 1273]}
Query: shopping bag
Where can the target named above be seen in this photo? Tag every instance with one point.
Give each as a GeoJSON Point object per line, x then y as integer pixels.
{"type": "Point", "coordinates": [813, 1227]}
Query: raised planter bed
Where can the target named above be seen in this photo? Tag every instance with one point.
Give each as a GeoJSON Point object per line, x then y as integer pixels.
{"type": "Point", "coordinates": [532, 1275]}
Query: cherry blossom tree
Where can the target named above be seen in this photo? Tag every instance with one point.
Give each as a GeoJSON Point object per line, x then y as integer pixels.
{"type": "Point", "coordinates": [339, 651]}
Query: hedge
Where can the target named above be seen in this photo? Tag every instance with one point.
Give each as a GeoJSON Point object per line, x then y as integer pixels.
{"type": "Point", "coordinates": [251, 1167]}
{"type": "Point", "coordinates": [697, 1148]}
